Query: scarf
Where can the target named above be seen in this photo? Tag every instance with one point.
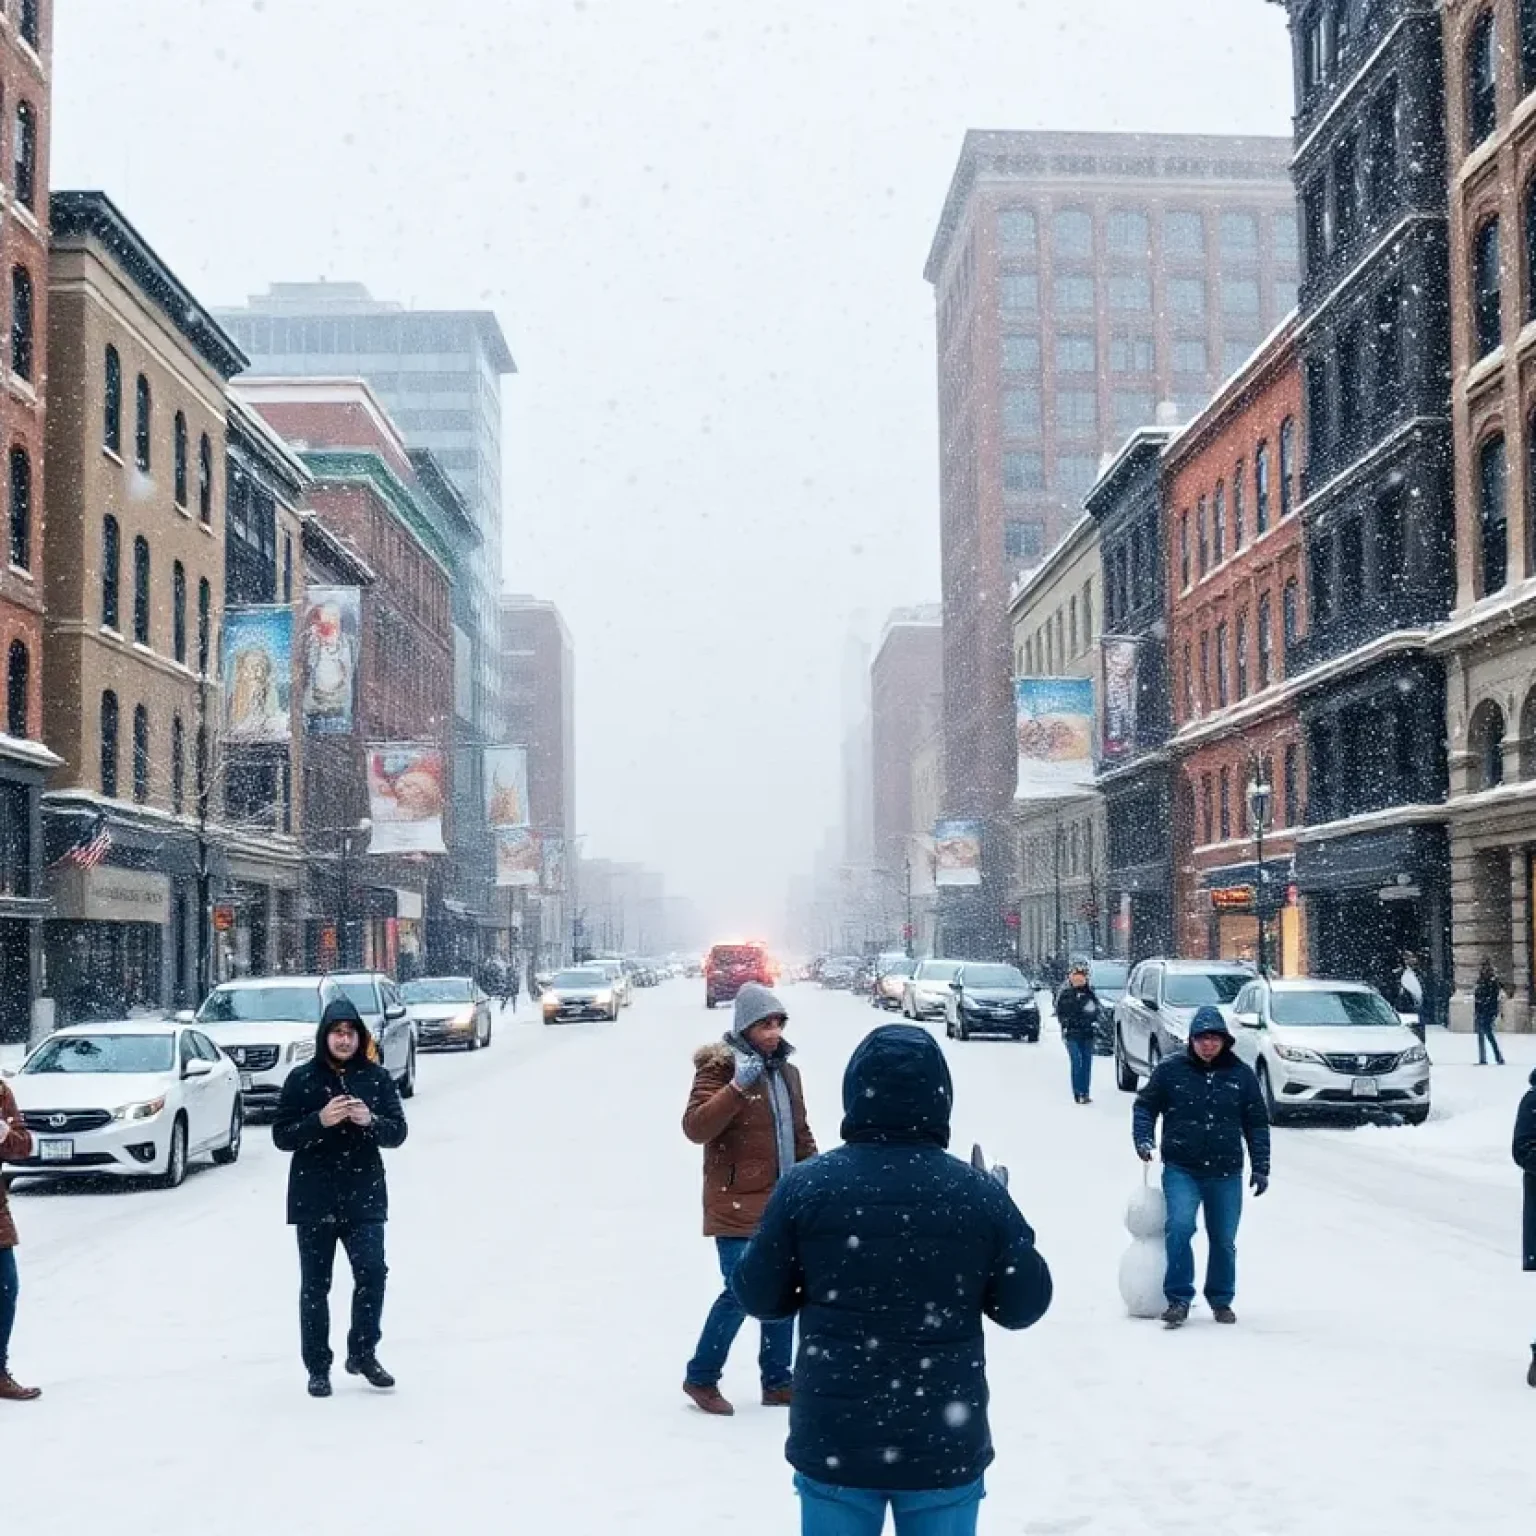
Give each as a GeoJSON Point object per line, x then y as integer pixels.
{"type": "Point", "coordinates": [783, 1107]}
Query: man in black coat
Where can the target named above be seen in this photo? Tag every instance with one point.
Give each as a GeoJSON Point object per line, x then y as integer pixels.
{"type": "Point", "coordinates": [891, 1252]}
{"type": "Point", "coordinates": [1077, 1012]}
{"type": "Point", "coordinates": [1210, 1104]}
{"type": "Point", "coordinates": [1525, 1155]}
{"type": "Point", "coordinates": [335, 1113]}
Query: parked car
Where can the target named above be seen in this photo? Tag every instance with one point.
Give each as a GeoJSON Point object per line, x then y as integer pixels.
{"type": "Point", "coordinates": [891, 974]}
{"type": "Point", "coordinates": [618, 978]}
{"type": "Point", "coordinates": [729, 967]}
{"type": "Point", "coordinates": [133, 1099]}
{"type": "Point", "coordinates": [1107, 978]}
{"type": "Point", "coordinates": [582, 993]}
{"type": "Point", "coordinates": [837, 974]}
{"type": "Point", "coordinates": [448, 1010]}
{"type": "Point", "coordinates": [991, 1000]}
{"type": "Point", "coordinates": [926, 990]}
{"type": "Point", "coordinates": [1321, 1046]}
{"type": "Point", "coordinates": [1152, 1019]}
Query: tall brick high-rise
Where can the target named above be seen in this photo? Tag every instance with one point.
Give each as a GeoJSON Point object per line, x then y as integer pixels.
{"type": "Point", "coordinates": [1081, 280]}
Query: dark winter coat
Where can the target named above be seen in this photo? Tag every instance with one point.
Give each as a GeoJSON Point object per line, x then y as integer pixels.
{"type": "Point", "coordinates": [15, 1144]}
{"type": "Point", "coordinates": [891, 1252]}
{"type": "Point", "coordinates": [1487, 995]}
{"type": "Point", "coordinates": [741, 1152]}
{"type": "Point", "coordinates": [1208, 1111]}
{"type": "Point", "coordinates": [1077, 1011]}
{"type": "Point", "coordinates": [1525, 1155]}
{"type": "Point", "coordinates": [337, 1173]}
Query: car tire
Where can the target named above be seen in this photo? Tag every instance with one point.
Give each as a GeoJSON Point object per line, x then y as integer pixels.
{"type": "Point", "coordinates": [709, 1003]}
{"type": "Point", "coordinates": [962, 1033]}
{"type": "Point", "coordinates": [1125, 1076]}
{"type": "Point", "coordinates": [1416, 1116]}
{"type": "Point", "coordinates": [474, 1041]}
{"type": "Point", "coordinates": [176, 1159]}
{"type": "Point", "coordinates": [490, 1031]}
{"type": "Point", "coordinates": [1277, 1116]}
{"type": "Point", "coordinates": [230, 1152]}
{"type": "Point", "coordinates": [408, 1082]}
{"type": "Point", "coordinates": [1033, 1035]}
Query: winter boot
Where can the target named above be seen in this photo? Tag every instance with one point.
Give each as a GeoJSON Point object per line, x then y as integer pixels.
{"type": "Point", "coordinates": [708, 1399]}
{"type": "Point", "coordinates": [12, 1391]}
{"type": "Point", "coordinates": [1224, 1314]}
{"type": "Point", "coordinates": [319, 1384]}
{"type": "Point", "coordinates": [777, 1397]}
{"type": "Point", "coordinates": [368, 1367]}
{"type": "Point", "coordinates": [1177, 1314]}
{"type": "Point", "coordinates": [1530, 1375]}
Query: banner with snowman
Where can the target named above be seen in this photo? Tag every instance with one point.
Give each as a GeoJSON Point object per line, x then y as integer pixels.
{"type": "Point", "coordinates": [329, 653]}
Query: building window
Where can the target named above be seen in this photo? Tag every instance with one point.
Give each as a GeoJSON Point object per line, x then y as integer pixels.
{"type": "Point", "coordinates": [1219, 522]}
{"type": "Point", "coordinates": [18, 688]}
{"type": "Point", "coordinates": [1075, 353]}
{"type": "Point", "coordinates": [1191, 356]}
{"type": "Point", "coordinates": [141, 428]}
{"type": "Point", "coordinates": [205, 481]}
{"type": "Point", "coordinates": [140, 754]}
{"type": "Point", "coordinates": [1242, 656]}
{"type": "Point", "coordinates": [21, 508]}
{"type": "Point", "coordinates": [1348, 351]}
{"type": "Point", "coordinates": [1021, 292]}
{"type": "Point", "coordinates": [1202, 537]}
{"type": "Point", "coordinates": [200, 766]}
{"type": "Point", "coordinates": [1016, 229]}
{"type": "Point", "coordinates": [287, 567]}
{"type": "Point", "coordinates": [180, 456]}
{"type": "Point", "coordinates": [112, 403]}
{"type": "Point", "coordinates": [109, 744]}
{"type": "Point", "coordinates": [1133, 408]}
{"type": "Point", "coordinates": [1205, 669]}
{"type": "Point", "coordinates": [1290, 616]}
{"type": "Point", "coordinates": [1190, 709]}
{"type": "Point", "coordinates": [1287, 466]}
{"type": "Point", "coordinates": [1482, 80]}
{"type": "Point", "coordinates": [1315, 226]}
{"type": "Point", "coordinates": [111, 570]}
{"type": "Point", "coordinates": [1485, 288]}
{"type": "Point", "coordinates": [1290, 786]}
{"type": "Point", "coordinates": [1266, 642]}
{"type": "Point", "coordinates": [21, 323]}
{"type": "Point", "coordinates": [1240, 296]}
{"type": "Point", "coordinates": [179, 612]}
{"type": "Point", "coordinates": [1072, 232]}
{"type": "Point", "coordinates": [1130, 234]}
{"type": "Point", "coordinates": [1222, 695]}
{"type": "Point", "coordinates": [1088, 634]}
{"type": "Point", "coordinates": [1023, 541]}
{"type": "Point", "coordinates": [1077, 410]}
{"type": "Point", "coordinates": [1075, 473]}
{"type": "Point", "coordinates": [1485, 737]}
{"type": "Point", "coordinates": [1261, 488]}
{"type": "Point", "coordinates": [1239, 513]}
{"type": "Point", "coordinates": [204, 624]}
{"type": "Point", "coordinates": [1023, 472]}
{"type": "Point", "coordinates": [141, 590]}
{"type": "Point", "coordinates": [1346, 191]}
{"type": "Point", "coordinates": [1240, 235]}
{"type": "Point", "coordinates": [1381, 149]}
{"type": "Point", "coordinates": [1208, 807]}
{"type": "Point", "coordinates": [1320, 561]}
{"type": "Point", "coordinates": [25, 150]}
{"type": "Point", "coordinates": [1186, 296]}
{"type": "Point", "coordinates": [1074, 295]}
{"type": "Point", "coordinates": [1528, 45]}
{"type": "Point", "coordinates": [1021, 412]}
{"type": "Point", "coordinates": [1183, 234]}
{"type": "Point", "coordinates": [1493, 515]}
{"type": "Point", "coordinates": [1184, 549]}
{"type": "Point", "coordinates": [1130, 354]}
{"type": "Point", "coordinates": [178, 764]}
{"type": "Point", "coordinates": [1132, 292]}
{"type": "Point", "coordinates": [1226, 804]}
{"type": "Point", "coordinates": [29, 23]}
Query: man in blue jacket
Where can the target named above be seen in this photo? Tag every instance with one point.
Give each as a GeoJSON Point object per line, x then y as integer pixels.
{"type": "Point", "coordinates": [1210, 1103]}
{"type": "Point", "coordinates": [891, 1252]}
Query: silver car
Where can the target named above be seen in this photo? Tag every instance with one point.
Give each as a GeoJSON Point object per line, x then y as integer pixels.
{"type": "Point", "coordinates": [1161, 998]}
{"type": "Point", "coordinates": [448, 1010]}
{"type": "Point", "coordinates": [926, 991]}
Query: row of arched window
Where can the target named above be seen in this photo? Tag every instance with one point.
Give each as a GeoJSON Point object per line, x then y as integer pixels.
{"type": "Point", "coordinates": [141, 759]}
{"type": "Point", "coordinates": [23, 153]}
{"type": "Point", "coordinates": [28, 22]}
{"type": "Point", "coordinates": [1486, 740]}
{"type": "Point", "coordinates": [143, 437]}
{"type": "Point", "coordinates": [1481, 68]}
{"type": "Point", "coordinates": [111, 596]}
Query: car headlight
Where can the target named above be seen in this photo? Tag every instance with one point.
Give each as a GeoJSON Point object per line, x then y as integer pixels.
{"type": "Point", "coordinates": [551, 999]}
{"type": "Point", "coordinates": [1412, 1056]}
{"type": "Point", "coordinates": [301, 1050]}
{"type": "Point", "coordinates": [1298, 1053]}
{"type": "Point", "coordinates": [604, 999]}
{"type": "Point", "coordinates": [144, 1111]}
{"type": "Point", "coordinates": [463, 1020]}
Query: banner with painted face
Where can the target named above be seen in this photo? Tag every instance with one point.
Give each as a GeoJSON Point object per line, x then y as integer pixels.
{"type": "Point", "coordinates": [957, 853]}
{"type": "Point", "coordinates": [328, 655]}
{"type": "Point", "coordinates": [257, 665]}
{"type": "Point", "coordinates": [518, 857]}
{"type": "Point", "coordinates": [506, 787]}
{"type": "Point", "coordinates": [407, 785]}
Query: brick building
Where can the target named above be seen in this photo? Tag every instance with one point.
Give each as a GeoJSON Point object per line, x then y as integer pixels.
{"type": "Point", "coordinates": [1231, 483]}
{"type": "Point", "coordinates": [1080, 280]}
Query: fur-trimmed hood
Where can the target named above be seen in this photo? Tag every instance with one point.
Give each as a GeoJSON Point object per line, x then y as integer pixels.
{"type": "Point", "coordinates": [723, 1052]}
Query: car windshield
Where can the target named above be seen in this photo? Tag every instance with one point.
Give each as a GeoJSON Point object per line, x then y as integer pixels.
{"type": "Point", "coordinates": [1107, 976]}
{"type": "Point", "coordinates": [114, 1054]}
{"type": "Point", "coordinates": [578, 979]}
{"type": "Point", "coordinates": [1341, 1008]}
{"type": "Point", "coordinates": [361, 994]}
{"type": "Point", "coordinates": [995, 976]}
{"type": "Point", "coordinates": [740, 956]}
{"type": "Point", "coordinates": [295, 1004]}
{"type": "Point", "coordinates": [438, 989]}
{"type": "Point", "coordinates": [1194, 989]}
{"type": "Point", "coordinates": [897, 968]}
{"type": "Point", "coordinates": [938, 970]}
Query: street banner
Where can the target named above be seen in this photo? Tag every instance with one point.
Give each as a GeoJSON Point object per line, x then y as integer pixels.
{"type": "Point", "coordinates": [405, 798]}
{"type": "Point", "coordinates": [552, 881]}
{"type": "Point", "coordinates": [517, 856]}
{"type": "Point", "coordinates": [257, 665]}
{"type": "Point", "coordinates": [328, 653]}
{"type": "Point", "coordinates": [1122, 679]}
{"type": "Point", "coordinates": [1055, 730]}
{"type": "Point", "coordinates": [506, 787]}
{"type": "Point", "coordinates": [957, 853]}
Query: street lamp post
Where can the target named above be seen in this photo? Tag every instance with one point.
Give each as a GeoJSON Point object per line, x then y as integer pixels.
{"type": "Point", "coordinates": [1260, 794]}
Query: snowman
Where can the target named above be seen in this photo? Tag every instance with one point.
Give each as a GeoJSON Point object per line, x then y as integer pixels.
{"type": "Point", "coordinates": [1145, 1262]}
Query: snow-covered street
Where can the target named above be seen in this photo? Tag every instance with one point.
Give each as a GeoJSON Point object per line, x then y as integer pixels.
{"type": "Point", "coordinates": [548, 1281]}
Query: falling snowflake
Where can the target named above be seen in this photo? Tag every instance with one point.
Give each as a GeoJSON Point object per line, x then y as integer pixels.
{"type": "Point", "coordinates": [957, 1414]}
{"type": "Point", "coordinates": [890, 1455]}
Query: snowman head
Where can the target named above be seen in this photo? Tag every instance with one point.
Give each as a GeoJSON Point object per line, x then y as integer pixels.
{"type": "Point", "coordinates": [1146, 1214]}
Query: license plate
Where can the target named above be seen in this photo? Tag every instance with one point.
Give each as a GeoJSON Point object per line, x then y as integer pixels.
{"type": "Point", "coordinates": [1366, 1088]}
{"type": "Point", "coordinates": [245, 1082]}
{"type": "Point", "coordinates": [55, 1149]}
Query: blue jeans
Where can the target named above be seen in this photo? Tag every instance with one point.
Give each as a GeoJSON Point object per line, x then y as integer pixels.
{"type": "Point", "coordinates": [1081, 1053]}
{"type": "Point", "coordinates": [724, 1323]}
{"type": "Point", "coordinates": [1223, 1202]}
{"type": "Point", "coordinates": [317, 1258]}
{"type": "Point", "coordinates": [10, 1287]}
{"type": "Point", "coordinates": [1485, 1038]}
{"type": "Point", "coordinates": [829, 1511]}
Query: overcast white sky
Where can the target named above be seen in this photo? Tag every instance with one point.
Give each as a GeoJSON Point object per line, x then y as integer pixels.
{"type": "Point", "coordinates": [703, 225]}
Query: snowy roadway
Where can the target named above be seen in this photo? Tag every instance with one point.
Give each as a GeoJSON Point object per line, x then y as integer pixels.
{"type": "Point", "coordinates": [548, 1279]}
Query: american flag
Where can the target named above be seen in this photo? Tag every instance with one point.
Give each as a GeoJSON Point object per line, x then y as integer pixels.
{"type": "Point", "coordinates": [92, 848]}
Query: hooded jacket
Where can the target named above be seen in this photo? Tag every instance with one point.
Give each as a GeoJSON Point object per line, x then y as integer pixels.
{"type": "Point", "coordinates": [739, 1131]}
{"type": "Point", "coordinates": [891, 1252]}
{"type": "Point", "coordinates": [15, 1144]}
{"type": "Point", "coordinates": [337, 1173]}
{"type": "Point", "coordinates": [1077, 1011]}
{"type": "Point", "coordinates": [1525, 1155]}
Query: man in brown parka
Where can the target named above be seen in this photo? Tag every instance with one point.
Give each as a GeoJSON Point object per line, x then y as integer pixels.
{"type": "Point", "coordinates": [15, 1143]}
{"type": "Point", "coordinates": [748, 1111]}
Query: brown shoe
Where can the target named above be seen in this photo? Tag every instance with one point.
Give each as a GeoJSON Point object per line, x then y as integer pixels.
{"type": "Point", "coordinates": [708, 1399]}
{"type": "Point", "coordinates": [777, 1397]}
{"type": "Point", "coordinates": [12, 1391]}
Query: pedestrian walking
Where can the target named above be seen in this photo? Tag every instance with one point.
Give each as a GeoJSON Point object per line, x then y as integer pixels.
{"type": "Point", "coordinates": [1487, 1005]}
{"type": "Point", "coordinates": [747, 1109]}
{"type": "Point", "coordinates": [1077, 1011]}
{"type": "Point", "coordinates": [891, 1252]}
{"type": "Point", "coordinates": [15, 1144]}
{"type": "Point", "coordinates": [1210, 1104]}
{"type": "Point", "coordinates": [511, 986]}
{"type": "Point", "coordinates": [1413, 995]}
{"type": "Point", "coordinates": [1525, 1157]}
{"type": "Point", "coordinates": [335, 1113]}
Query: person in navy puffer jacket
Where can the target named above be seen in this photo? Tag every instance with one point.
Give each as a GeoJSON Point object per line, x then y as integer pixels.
{"type": "Point", "coordinates": [891, 1252]}
{"type": "Point", "coordinates": [1210, 1104]}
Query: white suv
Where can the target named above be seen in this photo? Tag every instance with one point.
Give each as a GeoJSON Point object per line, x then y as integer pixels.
{"type": "Point", "coordinates": [1331, 1045]}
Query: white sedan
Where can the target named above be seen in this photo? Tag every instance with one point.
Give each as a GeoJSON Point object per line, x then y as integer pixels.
{"type": "Point", "coordinates": [135, 1099]}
